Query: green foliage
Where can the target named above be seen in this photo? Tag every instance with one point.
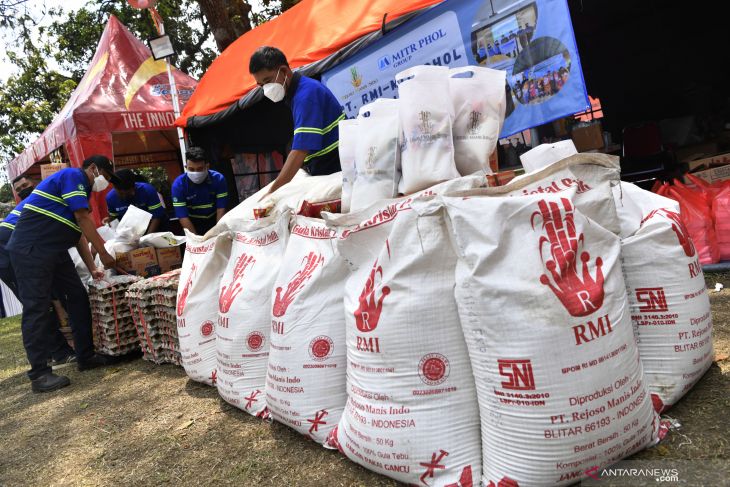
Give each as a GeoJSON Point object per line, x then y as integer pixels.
{"type": "Point", "coordinates": [52, 60]}
{"type": "Point", "coordinates": [30, 99]}
{"type": "Point", "coordinates": [6, 194]}
{"type": "Point", "coordinates": [77, 33]}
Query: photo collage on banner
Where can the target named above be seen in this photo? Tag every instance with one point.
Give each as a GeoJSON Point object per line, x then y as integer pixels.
{"type": "Point", "coordinates": [532, 41]}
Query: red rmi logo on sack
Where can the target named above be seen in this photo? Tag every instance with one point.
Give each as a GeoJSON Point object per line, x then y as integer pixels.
{"type": "Point", "coordinates": [678, 227]}
{"type": "Point", "coordinates": [518, 372]}
{"type": "Point", "coordinates": [182, 298]}
{"type": "Point", "coordinates": [229, 293]}
{"type": "Point", "coordinates": [580, 293]}
{"type": "Point", "coordinates": [652, 298]}
{"type": "Point", "coordinates": [367, 314]}
{"type": "Point", "coordinates": [296, 284]}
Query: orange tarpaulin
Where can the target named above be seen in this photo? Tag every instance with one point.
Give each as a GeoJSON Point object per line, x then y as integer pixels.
{"type": "Point", "coordinates": [306, 33]}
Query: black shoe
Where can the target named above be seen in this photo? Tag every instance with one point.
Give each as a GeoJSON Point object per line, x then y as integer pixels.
{"type": "Point", "coordinates": [63, 362]}
{"type": "Point", "coordinates": [49, 382]}
{"type": "Point", "coordinates": [95, 361]}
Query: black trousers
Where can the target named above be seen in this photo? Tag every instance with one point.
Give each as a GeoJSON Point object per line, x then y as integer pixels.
{"type": "Point", "coordinates": [39, 272]}
{"type": "Point", "coordinates": [57, 347]}
{"type": "Point", "coordinates": [202, 225]}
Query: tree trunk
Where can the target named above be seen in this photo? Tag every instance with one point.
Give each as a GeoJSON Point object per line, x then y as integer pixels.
{"type": "Point", "coordinates": [227, 19]}
{"type": "Point", "coordinates": [287, 4]}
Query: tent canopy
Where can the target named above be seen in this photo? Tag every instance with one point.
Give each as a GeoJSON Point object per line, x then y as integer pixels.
{"type": "Point", "coordinates": [311, 32]}
{"type": "Point", "coordinates": [124, 90]}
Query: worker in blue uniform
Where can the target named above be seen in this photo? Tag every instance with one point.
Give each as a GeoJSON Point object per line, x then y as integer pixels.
{"type": "Point", "coordinates": [200, 195]}
{"type": "Point", "coordinates": [60, 351]}
{"type": "Point", "coordinates": [55, 217]}
{"type": "Point", "coordinates": [315, 111]}
{"type": "Point", "coordinates": [127, 191]}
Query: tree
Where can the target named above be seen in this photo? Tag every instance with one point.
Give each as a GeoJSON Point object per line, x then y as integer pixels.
{"type": "Point", "coordinates": [31, 98]}
{"type": "Point", "coordinates": [10, 10]}
{"type": "Point", "coordinates": [228, 19]}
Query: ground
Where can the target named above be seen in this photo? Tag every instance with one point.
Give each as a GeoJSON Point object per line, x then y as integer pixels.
{"type": "Point", "coordinates": [139, 424]}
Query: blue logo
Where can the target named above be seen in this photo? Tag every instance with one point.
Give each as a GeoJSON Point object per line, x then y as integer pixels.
{"type": "Point", "coordinates": [383, 63]}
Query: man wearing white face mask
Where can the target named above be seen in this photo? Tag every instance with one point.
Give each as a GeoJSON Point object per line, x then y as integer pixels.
{"type": "Point", "coordinates": [56, 217]}
{"type": "Point", "coordinates": [315, 111]}
{"type": "Point", "coordinates": [200, 195]}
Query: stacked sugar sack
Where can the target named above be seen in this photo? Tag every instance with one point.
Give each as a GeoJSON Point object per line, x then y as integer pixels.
{"type": "Point", "coordinates": [113, 327]}
{"type": "Point", "coordinates": [419, 140]}
{"type": "Point", "coordinates": [152, 304]}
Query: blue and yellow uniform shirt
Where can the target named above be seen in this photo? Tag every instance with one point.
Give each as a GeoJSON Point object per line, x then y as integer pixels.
{"type": "Point", "coordinates": [8, 224]}
{"type": "Point", "coordinates": [6, 231]}
{"type": "Point", "coordinates": [47, 220]}
{"type": "Point", "coordinates": [199, 201]}
{"type": "Point", "coordinates": [316, 113]}
{"type": "Point", "coordinates": [145, 198]}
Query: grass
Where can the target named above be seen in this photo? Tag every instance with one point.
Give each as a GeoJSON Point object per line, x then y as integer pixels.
{"type": "Point", "coordinates": [128, 426]}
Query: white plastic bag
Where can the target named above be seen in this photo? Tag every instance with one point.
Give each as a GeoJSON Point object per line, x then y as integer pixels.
{"type": "Point", "coordinates": [426, 113]}
{"type": "Point", "coordinates": [377, 154]}
{"type": "Point", "coordinates": [543, 306]}
{"type": "Point", "coordinates": [545, 154]}
{"type": "Point", "coordinates": [412, 412]}
{"type": "Point", "coordinates": [347, 150]}
{"type": "Point", "coordinates": [478, 97]}
{"type": "Point", "coordinates": [132, 226]}
{"type": "Point", "coordinates": [81, 268]}
{"type": "Point", "coordinates": [197, 304]}
{"type": "Point", "coordinates": [244, 319]}
{"type": "Point", "coordinates": [303, 187]}
{"type": "Point", "coordinates": [670, 307]}
{"type": "Point", "coordinates": [161, 240]}
{"type": "Point", "coordinates": [305, 386]}
{"type": "Point", "coordinates": [106, 232]}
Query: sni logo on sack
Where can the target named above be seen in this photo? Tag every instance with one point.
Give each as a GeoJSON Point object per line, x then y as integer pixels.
{"type": "Point", "coordinates": [518, 373]}
{"type": "Point", "coordinates": [652, 299]}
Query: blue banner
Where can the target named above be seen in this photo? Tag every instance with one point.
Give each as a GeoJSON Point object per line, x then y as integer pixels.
{"type": "Point", "coordinates": [532, 41]}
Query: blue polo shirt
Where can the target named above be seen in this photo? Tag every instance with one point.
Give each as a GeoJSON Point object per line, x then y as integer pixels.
{"type": "Point", "coordinates": [199, 201]}
{"type": "Point", "coordinates": [8, 224]}
{"type": "Point", "coordinates": [316, 113]}
{"type": "Point", "coordinates": [145, 198]}
{"type": "Point", "coordinates": [47, 221]}
{"type": "Point", "coordinates": [6, 230]}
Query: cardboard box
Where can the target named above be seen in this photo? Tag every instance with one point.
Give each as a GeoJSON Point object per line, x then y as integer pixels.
{"type": "Point", "coordinates": [714, 174]}
{"type": "Point", "coordinates": [696, 151]}
{"type": "Point", "coordinates": [709, 162]}
{"type": "Point", "coordinates": [140, 262]}
{"type": "Point", "coordinates": [588, 138]}
{"type": "Point", "coordinates": [169, 259]}
{"type": "Point", "coordinates": [48, 169]}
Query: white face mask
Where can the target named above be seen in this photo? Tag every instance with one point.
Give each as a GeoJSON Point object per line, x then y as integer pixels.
{"type": "Point", "coordinates": [197, 177]}
{"type": "Point", "coordinates": [100, 182]}
{"type": "Point", "coordinates": [275, 91]}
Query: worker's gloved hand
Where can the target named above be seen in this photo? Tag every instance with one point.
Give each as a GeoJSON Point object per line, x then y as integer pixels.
{"type": "Point", "coordinates": [98, 273]}
{"type": "Point", "coordinates": [108, 260]}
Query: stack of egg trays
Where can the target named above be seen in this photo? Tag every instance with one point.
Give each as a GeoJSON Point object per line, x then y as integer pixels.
{"type": "Point", "coordinates": [152, 305]}
{"type": "Point", "coordinates": [114, 330]}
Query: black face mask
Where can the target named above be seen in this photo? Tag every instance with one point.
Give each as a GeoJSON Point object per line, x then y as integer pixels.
{"type": "Point", "coordinates": [25, 192]}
